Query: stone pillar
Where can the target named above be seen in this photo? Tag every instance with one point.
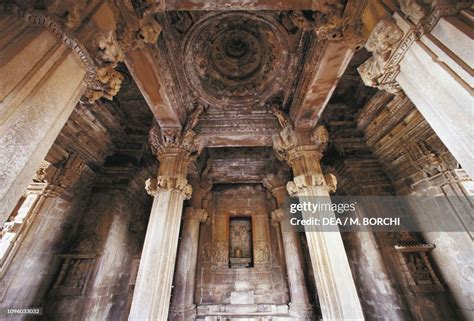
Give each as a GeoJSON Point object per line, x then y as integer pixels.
{"type": "Point", "coordinates": [152, 294]}
{"type": "Point", "coordinates": [182, 303]}
{"type": "Point", "coordinates": [336, 288]}
{"type": "Point", "coordinates": [300, 305]}
{"type": "Point", "coordinates": [42, 225]}
{"type": "Point", "coordinates": [175, 150]}
{"type": "Point", "coordinates": [182, 300]}
{"type": "Point", "coordinates": [42, 80]}
{"type": "Point", "coordinates": [426, 53]}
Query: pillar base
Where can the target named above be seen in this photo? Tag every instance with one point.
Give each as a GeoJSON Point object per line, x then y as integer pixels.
{"type": "Point", "coordinates": [303, 312]}
{"type": "Point", "coordinates": [183, 313]}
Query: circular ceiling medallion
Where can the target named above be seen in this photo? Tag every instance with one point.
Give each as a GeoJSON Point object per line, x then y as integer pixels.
{"type": "Point", "coordinates": [236, 58]}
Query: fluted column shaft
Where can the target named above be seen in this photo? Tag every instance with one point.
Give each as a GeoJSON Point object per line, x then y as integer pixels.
{"type": "Point", "coordinates": [182, 303]}
{"type": "Point", "coordinates": [152, 293]}
{"type": "Point", "coordinates": [335, 285]}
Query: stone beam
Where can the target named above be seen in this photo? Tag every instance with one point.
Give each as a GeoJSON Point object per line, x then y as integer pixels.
{"type": "Point", "coordinates": [170, 5]}
{"type": "Point", "coordinates": [332, 65]}
{"type": "Point", "coordinates": [339, 37]}
{"type": "Point", "coordinates": [243, 140]}
{"type": "Point", "coordinates": [142, 66]}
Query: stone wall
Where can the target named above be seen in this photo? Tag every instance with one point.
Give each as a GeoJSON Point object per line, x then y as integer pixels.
{"type": "Point", "coordinates": [49, 227]}
{"type": "Point", "coordinates": [96, 285]}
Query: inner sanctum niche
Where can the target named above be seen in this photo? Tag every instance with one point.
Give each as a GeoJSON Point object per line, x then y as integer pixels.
{"type": "Point", "coordinates": [240, 242]}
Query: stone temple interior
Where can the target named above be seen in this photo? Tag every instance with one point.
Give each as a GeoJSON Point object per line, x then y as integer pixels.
{"type": "Point", "coordinates": [147, 148]}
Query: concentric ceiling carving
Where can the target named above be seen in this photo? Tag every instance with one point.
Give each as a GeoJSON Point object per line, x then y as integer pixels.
{"type": "Point", "coordinates": [235, 58]}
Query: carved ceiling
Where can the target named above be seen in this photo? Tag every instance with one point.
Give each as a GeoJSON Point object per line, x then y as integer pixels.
{"type": "Point", "coordinates": [237, 58]}
{"type": "Point", "coordinates": [236, 63]}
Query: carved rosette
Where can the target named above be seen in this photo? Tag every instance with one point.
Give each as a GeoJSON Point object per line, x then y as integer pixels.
{"type": "Point", "coordinates": [234, 56]}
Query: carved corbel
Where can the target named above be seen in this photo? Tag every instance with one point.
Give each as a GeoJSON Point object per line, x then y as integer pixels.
{"type": "Point", "coordinates": [69, 11]}
{"type": "Point", "coordinates": [320, 137]}
{"type": "Point", "coordinates": [331, 182]}
{"type": "Point", "coordinates": [58, 178]}
{"type": "Point", "coordinates": [277, 215]}
{"type": "Point", "coordinates": [151, 186]}
{"type": "Point", "coordinates": [383, 42]}
{"type": "Point", "coordinates": [150, 29]}
{"type": "Point", "coordinates": [106, 52]}
{"type": "Point", "coordinates": [415, 10]}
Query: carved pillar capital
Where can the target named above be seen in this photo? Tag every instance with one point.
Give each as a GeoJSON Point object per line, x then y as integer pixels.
{"type": "Point", "coordinates": [305, 185]}
{"type": "Point", "coordinates": [291, 144]}
{"type": "Point", "coordinates": [392, 37]}
{"type": "Point", "coordinates": [58, 178]}
{"type": "Point", "coordinates": [169, 140]}
{"type": "Point", "coordinates": [166, 183]}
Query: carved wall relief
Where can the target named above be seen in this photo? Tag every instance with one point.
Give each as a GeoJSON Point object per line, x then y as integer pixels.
{"type": "Point", "coordinates": [74, 275]}
{"type": "Point", "coordinates": [413, 257]}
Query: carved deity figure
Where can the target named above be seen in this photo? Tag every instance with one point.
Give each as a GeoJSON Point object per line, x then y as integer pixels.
{"type": "Point", "coordinates": [383, 40]}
